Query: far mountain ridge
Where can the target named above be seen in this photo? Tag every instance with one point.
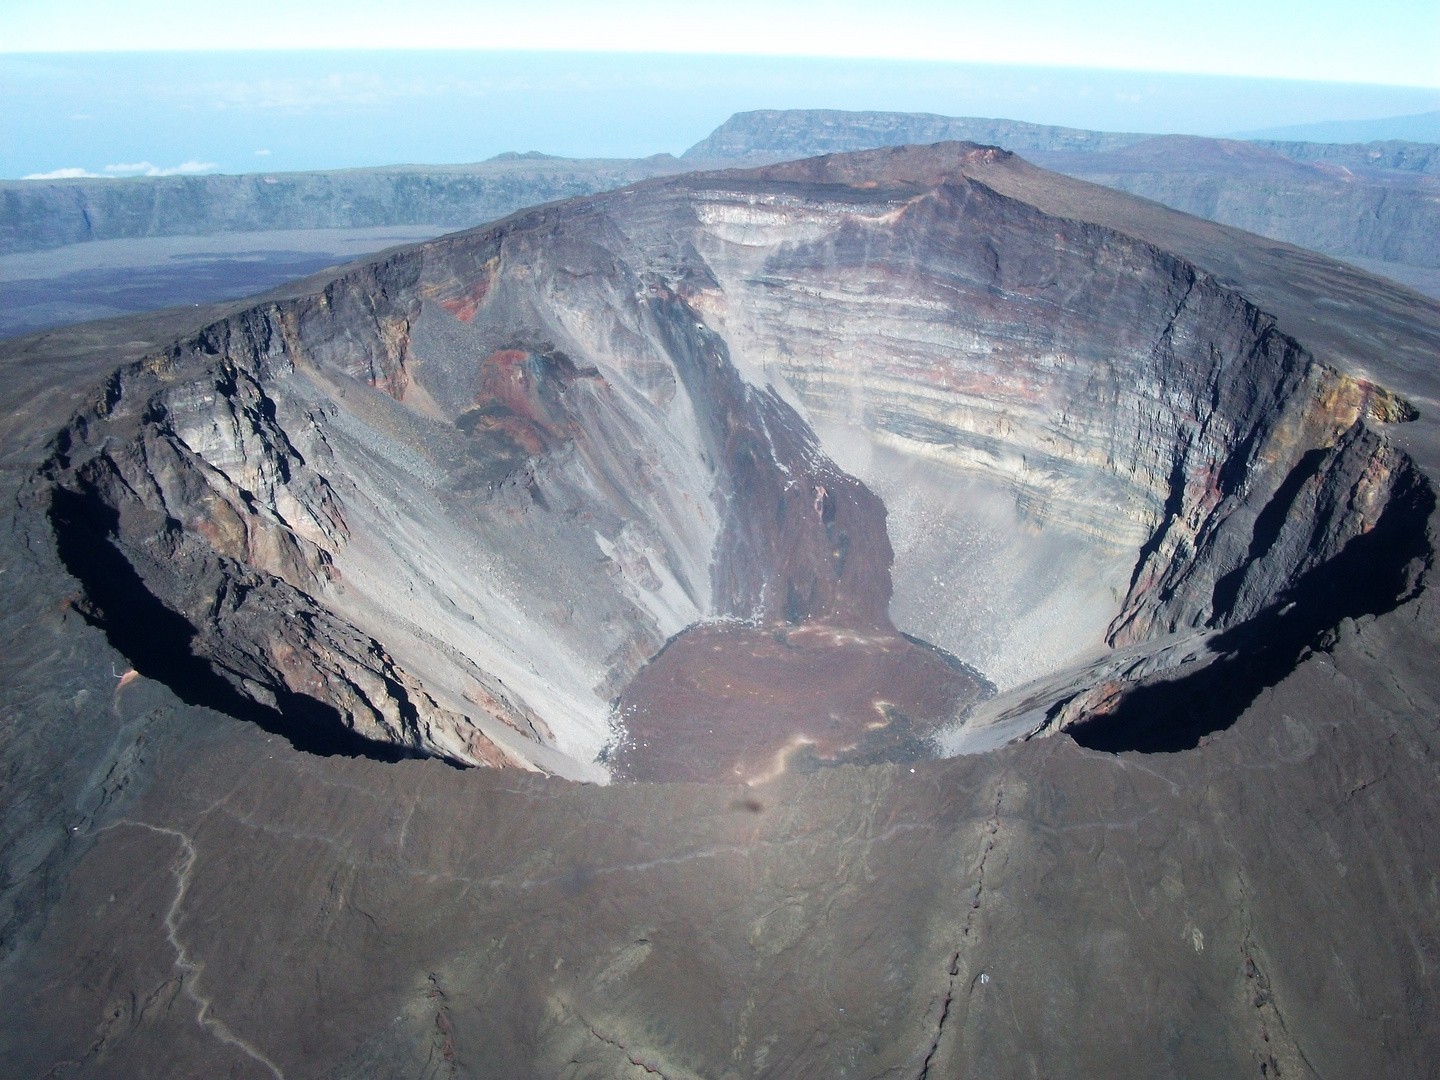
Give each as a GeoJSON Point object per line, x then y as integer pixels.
{"type": "Point", "coordinates": [1419, 126]}
{"type": "Point", "coordinates": [1374, 204]}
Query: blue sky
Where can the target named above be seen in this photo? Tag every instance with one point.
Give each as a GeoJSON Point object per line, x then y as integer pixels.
{"type": "Point", "coordinates": [1378, 41]}
{"type": "Point", "coordinates": [328, 84]}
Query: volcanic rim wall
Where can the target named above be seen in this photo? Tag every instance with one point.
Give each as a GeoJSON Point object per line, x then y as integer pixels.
{"type": "Point", "coordinates": [454, 499]}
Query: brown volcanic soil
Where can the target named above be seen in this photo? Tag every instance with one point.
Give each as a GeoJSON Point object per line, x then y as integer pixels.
{"type": "Point", "coordinates": [734, 702]}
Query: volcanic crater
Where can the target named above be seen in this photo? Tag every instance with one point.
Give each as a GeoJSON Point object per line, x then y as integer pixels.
{"type": "Point", "coordinates": [856, 459]}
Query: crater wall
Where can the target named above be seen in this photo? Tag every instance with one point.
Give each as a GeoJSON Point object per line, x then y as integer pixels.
{"type": "Point", "coordinates": [1018, 383]}
{"type": "Point", "coordinates": [456, 499]}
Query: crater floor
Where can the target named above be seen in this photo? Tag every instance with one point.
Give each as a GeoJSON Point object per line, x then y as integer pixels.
{"type": "Point", "coordinates": [728, 702]}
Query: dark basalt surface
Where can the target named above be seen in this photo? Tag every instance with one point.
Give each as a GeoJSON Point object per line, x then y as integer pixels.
{"type": "Point", "coordinates": [1221, 862]}
{"type": "Point", "coordinates": [85, 281]}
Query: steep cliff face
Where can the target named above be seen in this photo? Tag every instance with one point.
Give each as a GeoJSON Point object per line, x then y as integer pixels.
{"type": "Point", "coordinates": [458, 499]}
{"type": "Point", "coordinates": [1116, 393]}
{"type": "Point", "coordinates": [517, 554]}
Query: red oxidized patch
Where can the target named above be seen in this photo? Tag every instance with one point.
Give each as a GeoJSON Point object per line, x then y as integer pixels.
{"type": "Point", "coordinates": [506, 378]}
{"type": "Point", "coordinates": [464, 306]}
{"type": "Point", "coordinates": [519, 397]}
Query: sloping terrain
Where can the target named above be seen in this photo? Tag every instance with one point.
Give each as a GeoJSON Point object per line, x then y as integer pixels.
{"type": "Point", "coordinates": [1364, 210]}
{"type": "Point", "coordinates": [1424, 127]}
{"type": "Point", "coordinates": [1071, 464]}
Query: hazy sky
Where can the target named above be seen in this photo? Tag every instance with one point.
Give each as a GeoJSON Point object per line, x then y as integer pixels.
{"type": "Point", "coordinates": [340, 83]}
{"type": "Point", "coordinates": [1376, 41]}
{"type": "Point", "coordinates": [114, 114]}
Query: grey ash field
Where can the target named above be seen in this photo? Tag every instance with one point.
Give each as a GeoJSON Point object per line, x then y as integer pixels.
{"type": "Point", "coordinates": [318, 608]}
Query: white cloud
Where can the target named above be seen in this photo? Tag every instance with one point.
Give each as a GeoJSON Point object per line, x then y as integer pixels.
{"type": "Point", "coordinates": [61, 174]}
{"type": "Point", "coordinates": [145, 168]}
{"type": "Point", "coordinates": [262, 153]}
{"type": "Point", "coordinates": [140, 168]}
{"type": "Point", "coordinates": [82, 116]}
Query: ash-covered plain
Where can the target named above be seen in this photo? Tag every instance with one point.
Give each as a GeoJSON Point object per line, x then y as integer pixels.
{"type": "Point", "coordinates": [914, 614]}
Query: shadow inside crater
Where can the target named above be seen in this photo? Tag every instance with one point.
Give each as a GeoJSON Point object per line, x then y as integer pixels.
{"type": "Point", "coordinates": [1374, 573]}
{"type": "Point", "coordinates": [156, 641]}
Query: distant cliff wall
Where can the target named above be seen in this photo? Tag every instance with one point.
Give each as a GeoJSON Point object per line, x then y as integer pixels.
{"type": "Point", "coordinates": [783, 134]}
{"type": "Point", "coordinates": [1391, 154]}
{"type": "Point", "coordinates": [40, 214]}
{"type": "Point", "coordinates": [1388, 222]}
